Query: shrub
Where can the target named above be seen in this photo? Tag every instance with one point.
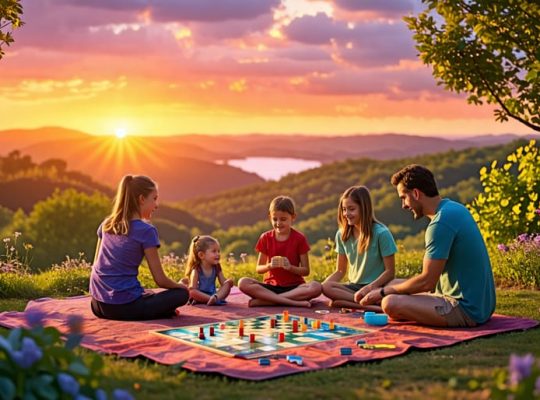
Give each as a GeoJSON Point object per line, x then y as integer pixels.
{"type": "Point", "coordinates": [36, 364]}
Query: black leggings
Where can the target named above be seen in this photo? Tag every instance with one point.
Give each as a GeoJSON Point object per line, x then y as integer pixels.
{"type": "Point", "coordinates": [148, 306]}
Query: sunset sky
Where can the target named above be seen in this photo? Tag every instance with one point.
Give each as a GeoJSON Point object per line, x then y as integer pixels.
{"type": "Point", "coordinates": [166, 67]}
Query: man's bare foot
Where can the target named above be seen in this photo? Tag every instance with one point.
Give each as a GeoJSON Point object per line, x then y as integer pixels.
{"type": "Point", "coordinates": [213, 300]}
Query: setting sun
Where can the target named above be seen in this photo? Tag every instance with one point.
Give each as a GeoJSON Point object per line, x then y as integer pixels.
{"type": "Point", "coordinates": [120, 133]}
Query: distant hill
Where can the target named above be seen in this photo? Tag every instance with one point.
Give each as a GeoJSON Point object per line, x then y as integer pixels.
{"type": "Point", "coordinates": [242, 213]}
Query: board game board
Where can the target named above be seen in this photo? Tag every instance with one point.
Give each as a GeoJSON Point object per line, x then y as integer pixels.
{"type": "Point", "coordinates": [227, 339]}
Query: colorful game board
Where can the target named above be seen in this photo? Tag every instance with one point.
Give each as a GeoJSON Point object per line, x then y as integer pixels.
{"type": "Point", "coordinates": [227, 340]}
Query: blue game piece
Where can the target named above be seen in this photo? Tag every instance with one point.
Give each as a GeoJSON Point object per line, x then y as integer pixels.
{"type": "Point", "coordinates": [264, 361]}
{"type": "Point", "coordinates": [298, 360]}
{"type": "Point", "coordinates": [360, 342]}
{"type": "Point", "coordinates": [376, 319]}
{"type": "Point", "coordinates": [345, 351]}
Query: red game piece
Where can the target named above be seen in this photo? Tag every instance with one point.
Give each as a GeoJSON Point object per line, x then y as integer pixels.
{"type": "Point", "coordinates": [212, 331]}
{"type": "Point", "coordinates": [241, 332]}
{"type": "Point", "coordinates": [251, 338]}
{"type": "Point", "coordinates": [295, 326]}
{"type": "Point", "coordinates": [272, 323]}
{"type": "Point", "coordinates": [222, 326]}
{"type": "Point", "coordinates": [281, 337]}
{"type": "Point", "coordinates": [201, 333]}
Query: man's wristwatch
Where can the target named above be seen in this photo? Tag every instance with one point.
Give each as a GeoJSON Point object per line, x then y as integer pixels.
{"type": "Point", "coordinates": [382, 292]}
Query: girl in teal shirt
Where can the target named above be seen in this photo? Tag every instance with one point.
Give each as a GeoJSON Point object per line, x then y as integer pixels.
{"type": "Point", "coordinates": [365, 250]}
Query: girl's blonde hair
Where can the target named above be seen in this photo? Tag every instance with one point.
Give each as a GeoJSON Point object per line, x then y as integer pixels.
{"type": "Point", "coordinates": [199, 243]}
{"type": "Point", "coordinates": [126, 203]}
{"type": "Point", "coordinates": [360, 195]}
{"type": "Point", "coordinates": [282, 203]}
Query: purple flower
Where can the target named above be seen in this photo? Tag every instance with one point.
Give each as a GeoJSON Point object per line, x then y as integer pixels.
{"type": "Point", "coordinates": [28, 354]}
{"type": "Point", "coordinates": [34, 318]}
{"type": "Point", "coordinates": [520, 367]}
{"type": "Point", "coordinates": [121, 394]}
{"type": "Point", "coordinates": [68, 384]}
{"type": "Point", "coordinates": [537, 212]}
{"type": "Point", "coordinates": [75, 323]}
{"type": "Point", "coordinates": [502, 247]}
{"type": "Point", "coordinates": [523, 238]}
{"type": "Point", "coordinates": [100, 394]}
{"type": "Point", "coordinates": [537, 386]}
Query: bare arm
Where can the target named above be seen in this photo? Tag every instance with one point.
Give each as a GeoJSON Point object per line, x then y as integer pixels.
{"type": "Point", "coordinates": [193, 279]}
{"type": "Point", "coordinates": [221, 278]}
{"type": "Point", "coordinates": [98, 248]}
{"type": "Point", "coordinates": [386, 276]}
{"type": "Point", "coordinates": [341, 269]}
{"type": "Point", "coordinates": [424, 282]}
{"type": "Point", "coordinates": [263, 266]}
{"type": "Point", "coordinates": [154, 263]}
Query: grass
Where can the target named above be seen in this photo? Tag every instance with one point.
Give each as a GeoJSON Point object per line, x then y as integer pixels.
{"type": "Point", "coordinates": [419, 374]}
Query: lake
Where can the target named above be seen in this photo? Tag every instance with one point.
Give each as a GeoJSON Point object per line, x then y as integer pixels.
{"type": "Point", "coordinates": [272, 168]}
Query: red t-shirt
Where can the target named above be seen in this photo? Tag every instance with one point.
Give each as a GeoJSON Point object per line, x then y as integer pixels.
{"type": "Point", "coordinates": [292, 248]}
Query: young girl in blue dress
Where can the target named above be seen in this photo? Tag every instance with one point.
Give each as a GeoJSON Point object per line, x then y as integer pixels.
{"type": "Point", "coordinates": [125, 238]}
{"type": "Point", "coordinates": [203, 269]}
{"type": "Point", "coordinates": [365, 250]}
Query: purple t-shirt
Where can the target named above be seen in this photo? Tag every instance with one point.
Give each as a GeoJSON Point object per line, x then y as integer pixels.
{"type": "Point", "coordinates": [114, 274]}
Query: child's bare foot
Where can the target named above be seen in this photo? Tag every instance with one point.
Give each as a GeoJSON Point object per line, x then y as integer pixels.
{"type": "Point", "coordinates": [213, 300]}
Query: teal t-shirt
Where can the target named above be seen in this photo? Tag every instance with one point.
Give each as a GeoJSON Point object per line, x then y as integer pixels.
{"type": "Point", "coordinates": [365, 267]}
{"type": "Point", "coordinates": [453, 235]}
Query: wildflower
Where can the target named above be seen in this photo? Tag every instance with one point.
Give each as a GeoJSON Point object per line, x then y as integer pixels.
{"type": "Point", "coordinates": [12, 249]}
{"type": "Point", "coordinates": [6, 240]}
{"type": "Point", "coordinates": [502, 247]}
{"type": "Point", "coordinates": [523, 238]}
{"type": "Point", "coordinates": [75, 323]}
{"type": "Point", "coordinates": [537, 212]}
{"type": "Point", "coordinates": [537, 386]}
{"type": "Point", "coordinates": [121, 394]}
{"type": "Point", "coordinates": [28, 354]}
{"type": "Point", "coordinates": [68, 383]}
{"type": "Point", "coordinates": [100, 394]}
{"type": "Point", "coordinates": [520, 367]}
{"type": "Point", "coordinates": [34, 318]}
{"type": "Point", "coordinates": [17, 234]}
{"type": "Point", "coordinates": [28, 246]}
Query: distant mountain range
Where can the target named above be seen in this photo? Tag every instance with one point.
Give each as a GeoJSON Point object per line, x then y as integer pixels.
{"type": "Point", "coordinates": [185, 166]}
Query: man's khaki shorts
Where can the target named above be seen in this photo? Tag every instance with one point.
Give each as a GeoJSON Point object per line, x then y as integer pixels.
{"type": "Point", "coordinates": [450, 309]}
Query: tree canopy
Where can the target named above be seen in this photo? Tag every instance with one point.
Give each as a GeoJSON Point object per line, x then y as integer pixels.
{"type": "Point", "coordinates": [10, 18]}
{"type": "Point", "coordinates": [489, 49]}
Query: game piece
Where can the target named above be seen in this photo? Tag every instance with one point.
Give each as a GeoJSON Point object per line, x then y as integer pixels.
{"type": "Point", "coordinates": [264, 361]}
{"type": "Point", "coordinates": [241, 323]}
{"type": "Point", "coordinates": [360, 342]}
{"type": "Point", "coordinates": [322, 311]}
{"type": "Point", "coordinates": [201, 333]}
{"type": "Point", "coordinates": [212, 331]}
{"type": "Point", "coordinates": [331, 325]}
{"type": "Point", "coordinates": [272, 322]}
{"type": "Point", "coordinates": [306, 321]}
{"type": "Point", "coordinates": [298, 360]}
{"type": "Point", "coordinates": [314, 324]}
{"type": "Point", "coordinates": [251, 338]}
{"type": "Point", "coordinates": [345, 351]}
{"type": "Point", "coordinates": [318, 323]}
{"type": "Point", "coordinates": [241, 332]}
{"type": "Point", "coordinates": [226, 340]}
{"type": "Point", "coordinates": [295, 326]}
{"type": "Point", "coordinates": [375, 319]}
{"type": "Point", "coordinates": [376, 346]}
{"type": "Point", "coordinates": [285, 316]}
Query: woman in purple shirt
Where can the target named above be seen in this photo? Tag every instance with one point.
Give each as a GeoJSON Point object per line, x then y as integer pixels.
{"type": "Point", "coordinates": [125, 238]}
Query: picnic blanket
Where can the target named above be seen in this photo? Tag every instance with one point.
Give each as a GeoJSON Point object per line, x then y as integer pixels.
{"type": "Point", "coordinates": [133, 339]}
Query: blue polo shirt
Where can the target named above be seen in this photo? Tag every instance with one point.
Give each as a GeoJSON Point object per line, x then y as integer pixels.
{"type": "Point", "coordinates": [114, 274]}
{"type": "Point", "coordinates": [453, 235]}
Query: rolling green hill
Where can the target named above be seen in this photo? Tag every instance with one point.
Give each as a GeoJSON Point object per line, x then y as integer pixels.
{"type": "Point", "coordinates": [241, 214]}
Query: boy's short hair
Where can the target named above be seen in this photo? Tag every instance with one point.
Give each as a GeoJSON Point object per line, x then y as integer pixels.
{"type": "Point", "coordinates": [282, 203]}
{"type": "Point", "coordinates": [416, 176]}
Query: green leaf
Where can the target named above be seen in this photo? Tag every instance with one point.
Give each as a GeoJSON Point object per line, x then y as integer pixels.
{"type": "Point", "coordinates": [7, 389]}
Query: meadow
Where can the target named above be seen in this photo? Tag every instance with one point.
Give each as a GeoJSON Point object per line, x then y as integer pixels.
{"type": "Point", "coordinates": [464, 371]}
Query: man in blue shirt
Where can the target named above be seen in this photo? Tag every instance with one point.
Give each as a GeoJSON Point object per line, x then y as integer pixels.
{"type": "Point", "coordinates": [455, 287]}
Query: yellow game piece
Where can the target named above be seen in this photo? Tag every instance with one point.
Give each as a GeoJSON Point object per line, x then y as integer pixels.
{"type": "Point", "coordinates": [314, 324]}
{"type": "Point", "coordinates": [285, 316]}
{"type": "Point", "coordinates": [304, 328]}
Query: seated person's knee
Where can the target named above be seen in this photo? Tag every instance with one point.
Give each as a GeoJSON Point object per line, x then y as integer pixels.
{"type": "Point", "coordinates": [391, 304]}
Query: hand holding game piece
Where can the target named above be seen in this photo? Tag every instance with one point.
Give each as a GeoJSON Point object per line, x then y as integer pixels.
{"type": "Point", "coordinates": [277, 262]}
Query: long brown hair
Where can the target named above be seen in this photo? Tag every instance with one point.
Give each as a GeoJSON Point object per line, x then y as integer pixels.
{"type": "Point", "coordinates": [199, 243]}
{"type": "Point", "coordinates": [361, 196]}
{"type": "Point", "coordinates": [126, 203]}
